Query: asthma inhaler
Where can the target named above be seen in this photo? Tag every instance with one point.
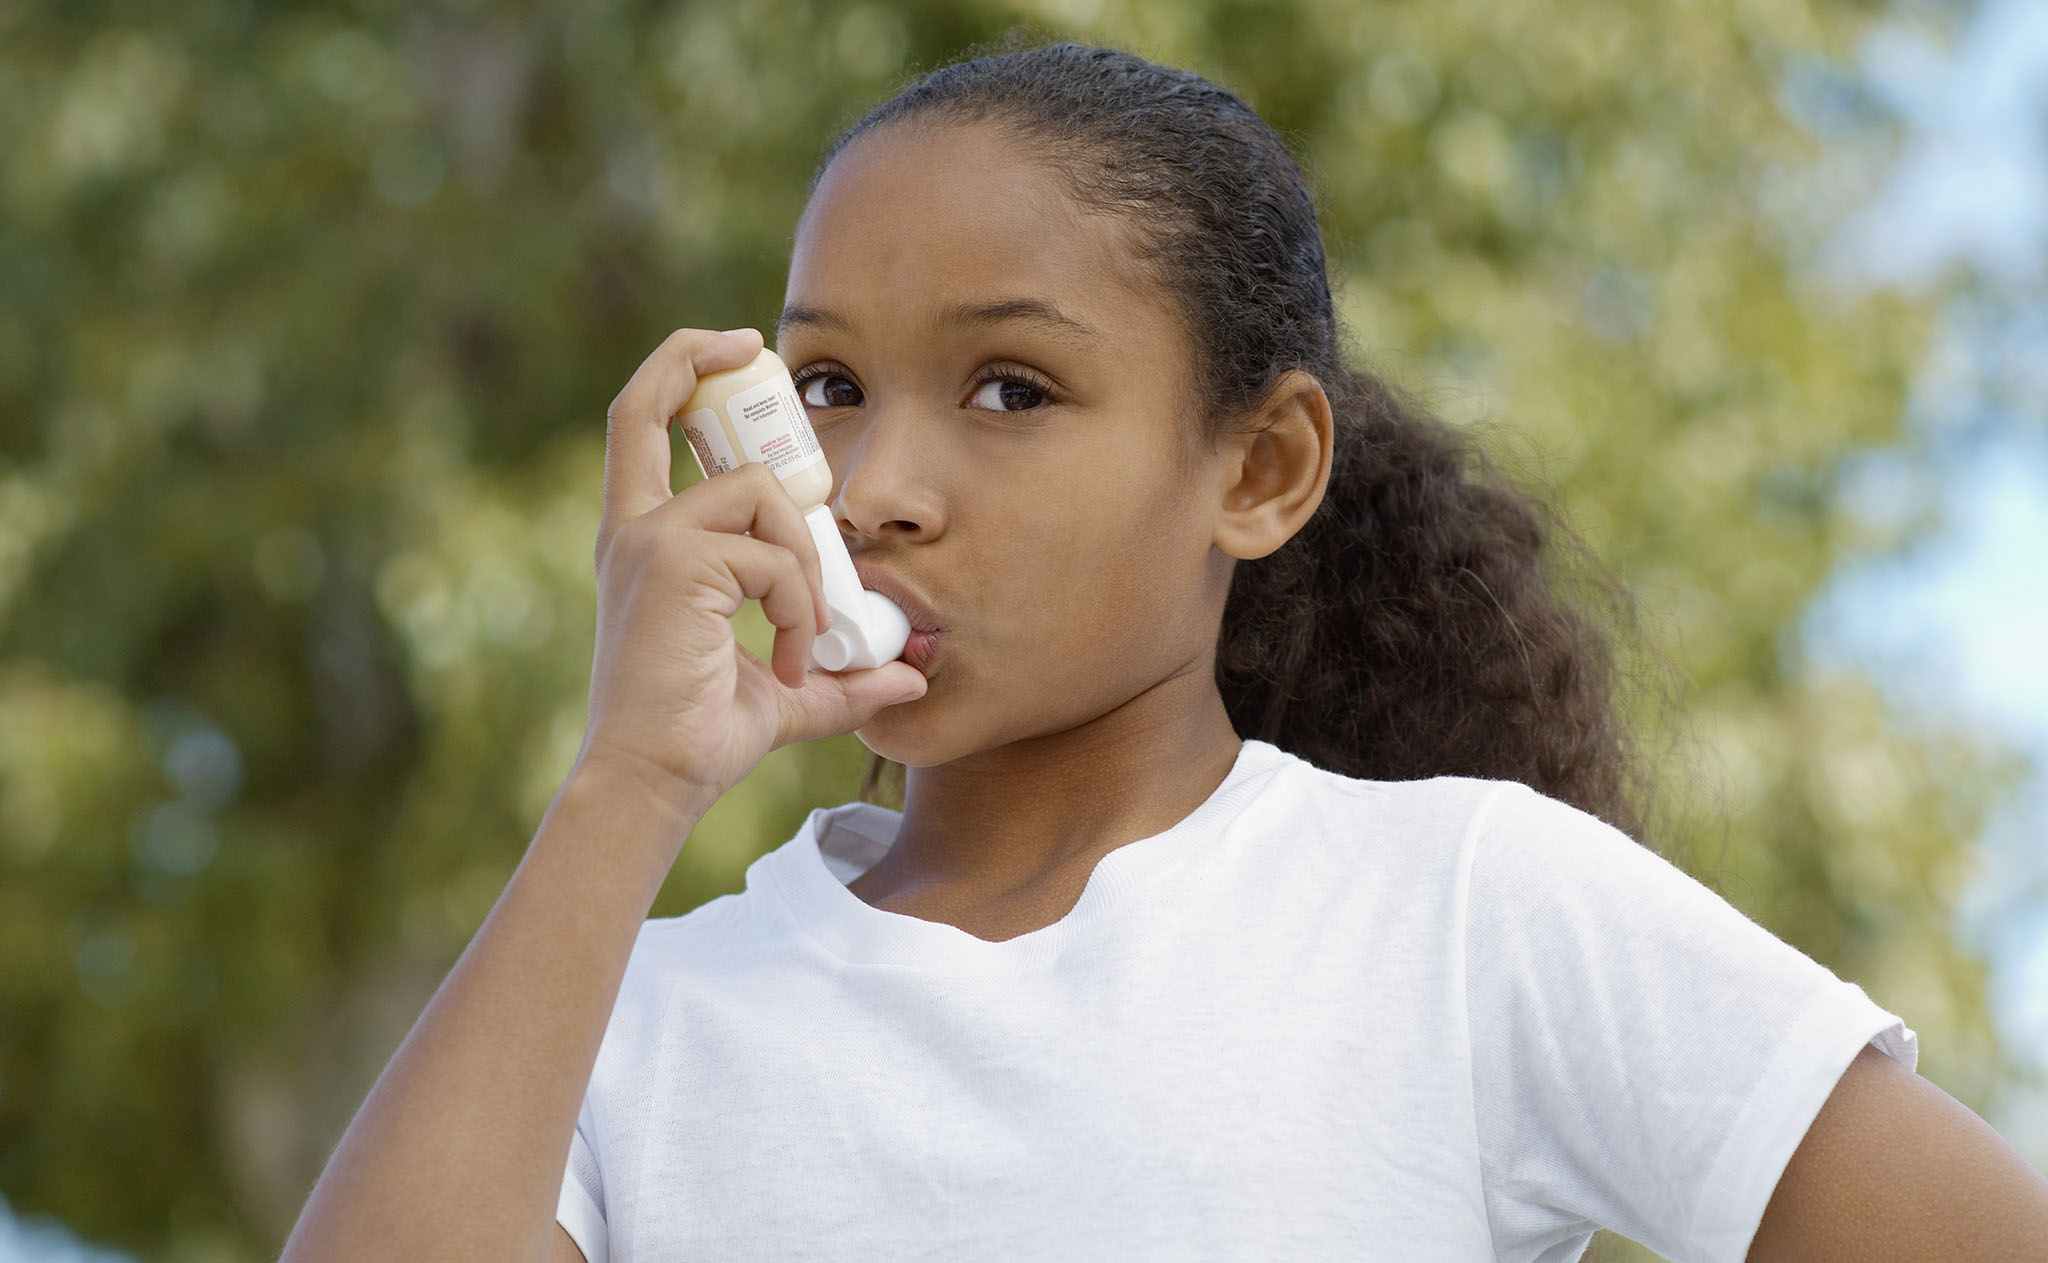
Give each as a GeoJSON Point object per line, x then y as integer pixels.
{"type": "Point", "coordinates": [753, 414]}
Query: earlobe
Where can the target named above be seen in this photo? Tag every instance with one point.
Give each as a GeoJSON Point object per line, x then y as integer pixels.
{"type": "Point", "coordinates": [1276, 468]}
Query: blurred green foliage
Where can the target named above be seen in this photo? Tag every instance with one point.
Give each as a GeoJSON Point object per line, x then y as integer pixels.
{"type": "Point", "coordinates": [310, 317]}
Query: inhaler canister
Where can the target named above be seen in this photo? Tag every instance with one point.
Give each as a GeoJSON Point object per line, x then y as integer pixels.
{"type": "Point", "coordinates": [753, 414]}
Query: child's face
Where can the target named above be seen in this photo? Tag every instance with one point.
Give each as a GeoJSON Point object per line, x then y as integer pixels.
{"type": "Point", "coordinates": [1036, 484]}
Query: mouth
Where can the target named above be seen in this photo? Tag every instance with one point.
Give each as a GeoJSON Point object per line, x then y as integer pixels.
{"type": "Point", "coordinates": [920, 649]}
{"type": "Point", "coordinates": [925, 632]}
{"type": "Point", "coordinates": [875, 579]}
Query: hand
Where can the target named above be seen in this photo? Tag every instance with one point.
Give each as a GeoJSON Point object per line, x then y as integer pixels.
{"type": "Point", "coordinates": [674, 698]}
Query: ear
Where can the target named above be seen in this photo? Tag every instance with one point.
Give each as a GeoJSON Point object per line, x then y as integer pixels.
{"type": "Point", "coordinates": [1274, 467]}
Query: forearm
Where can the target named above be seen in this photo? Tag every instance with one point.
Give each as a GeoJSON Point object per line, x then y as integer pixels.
{"type": "Point", "coordinates": [458, 1150]}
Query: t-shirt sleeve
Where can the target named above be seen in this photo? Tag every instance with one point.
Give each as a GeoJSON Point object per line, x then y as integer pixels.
{"type": "Point", "coordinates": [1645, 1057]}
{"type": "Point", "coordinates": [580, 1210]}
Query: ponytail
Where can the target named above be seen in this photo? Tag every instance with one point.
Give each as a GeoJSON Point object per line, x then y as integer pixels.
{"type": "Point", "coordinates": [1413, 627]}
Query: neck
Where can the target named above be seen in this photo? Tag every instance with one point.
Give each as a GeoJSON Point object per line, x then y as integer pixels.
{"type": "Point", "coordinates": [1039, 812]}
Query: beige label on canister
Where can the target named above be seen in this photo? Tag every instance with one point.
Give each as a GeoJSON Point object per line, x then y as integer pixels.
{"type": "Point", "coordinates": [772, 427]}
{"type": "Point", "coordinates": [707, 439]}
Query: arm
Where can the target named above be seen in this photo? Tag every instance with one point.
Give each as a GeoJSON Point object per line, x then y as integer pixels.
{"type": "Point", "coordinates": [564, 1249]}
{"type": "Point", "coordinates": [1895, 1168]}
{"type": "Point", "coordinates": [458, 1151]}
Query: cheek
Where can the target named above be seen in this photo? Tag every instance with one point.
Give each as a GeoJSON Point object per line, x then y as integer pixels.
{"type": "Point", "coordinates": [1115, 562]}
{"type": "Point", "coordinates": [1078, 603]}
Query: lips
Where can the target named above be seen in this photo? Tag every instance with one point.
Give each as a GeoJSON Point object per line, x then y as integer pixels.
{"type": "Point", "coordinates": [925, 631]}
{"type": "Point", "coordinates": [875, 579]}
{"type": "Point", "coordinates": [920, 649]}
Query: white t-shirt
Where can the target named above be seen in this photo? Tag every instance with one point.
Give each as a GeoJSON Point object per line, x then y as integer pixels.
{"type": "Point", "coordinates": [1319, 1018]}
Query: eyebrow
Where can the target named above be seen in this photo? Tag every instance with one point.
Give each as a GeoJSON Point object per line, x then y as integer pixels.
{"type": "Point", "coordinates": [1031, 311]}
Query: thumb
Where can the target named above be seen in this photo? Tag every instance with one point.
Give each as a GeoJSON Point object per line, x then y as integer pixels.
{"type": "Point", "coordinates": [831, 703]}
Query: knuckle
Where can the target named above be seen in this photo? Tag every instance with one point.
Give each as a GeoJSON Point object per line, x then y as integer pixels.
{"type": "Point", "coordinates": [684, 344]}
{"type": "Point", "coordinates": [770, 561]}
{"type": "Point", "coordinates": [673, 534]}
{"type": "Point", "coordinates": [611, 548]}
{"type": "Point", "coordinates": [792, 566]}
{"type": "Point", "coordinates": [636, 538]}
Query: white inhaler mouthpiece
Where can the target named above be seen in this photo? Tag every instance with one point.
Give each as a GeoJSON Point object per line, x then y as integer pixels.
{"type": "Point", "coordinates": [753, 414]}
{"type": "Point", "coordinates": [867, 628]}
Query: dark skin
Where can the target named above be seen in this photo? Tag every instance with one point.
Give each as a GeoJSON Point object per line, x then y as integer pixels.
{"type": "Point", "coordinates": [1895, 1168]}
{"type": "Point", "coordinates": [1036, 477]}
{"type": "Point", "coordinates": [1074, 540]}
{"type": "Point", "coordinates": [1078, 557]}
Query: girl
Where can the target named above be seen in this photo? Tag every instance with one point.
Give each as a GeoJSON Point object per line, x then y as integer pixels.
{"type": "Point", "coordinates": [1261, 887]}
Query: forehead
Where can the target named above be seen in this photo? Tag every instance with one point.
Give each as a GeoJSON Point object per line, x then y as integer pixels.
{"type": "Point", "coordinates": [912, 220]}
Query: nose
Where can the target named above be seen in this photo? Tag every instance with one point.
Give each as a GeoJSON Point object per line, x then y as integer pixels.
{"type": "Point", "coordinates": [886, 490]}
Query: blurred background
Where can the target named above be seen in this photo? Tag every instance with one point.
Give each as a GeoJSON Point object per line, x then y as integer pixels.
{"type": "Point", "coordinates": [309, 315]}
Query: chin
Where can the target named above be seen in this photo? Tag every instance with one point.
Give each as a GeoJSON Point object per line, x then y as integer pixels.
{"type": "Point", "coordinates": [901, 738]}
{"type": "Point", "coordinates": [932, 730]}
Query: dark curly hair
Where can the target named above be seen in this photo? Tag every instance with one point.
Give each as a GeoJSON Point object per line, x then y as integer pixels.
{"type": "Point", "coordinates": [1417, 625]}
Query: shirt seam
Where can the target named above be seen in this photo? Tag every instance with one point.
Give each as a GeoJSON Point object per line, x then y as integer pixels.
{"type": "Point", "coordinates": [592, 1218]}
{"type": "Point", "coordinates": [1826, 1015]}
{"type": "Point", "coordinates": [594, 1100]}
{"type": "Point", "coordinates": [1468, 848]}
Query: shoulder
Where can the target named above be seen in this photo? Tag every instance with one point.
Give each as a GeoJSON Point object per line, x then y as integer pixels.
{"type": "Point", "coordinates": [1495, 842]}
{"type": "Point", "coordinates": [674, 959]}
{"type": "Point", "coordinates": [1295, 779]}
{"type": "Point", "coordinates": [1443, 808]}
{"type": "Point", "coordinates": [1405, 830]}
{"type": "Point", "coordinates": [667, 948]}
{"type": "Point", "coordinates": [665, 938]}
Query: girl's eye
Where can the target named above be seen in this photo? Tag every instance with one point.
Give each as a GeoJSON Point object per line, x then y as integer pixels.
{"type": "Point", "coordinates": [823, 389]}
{"type": "Point", "coordinates": [1008, 394]}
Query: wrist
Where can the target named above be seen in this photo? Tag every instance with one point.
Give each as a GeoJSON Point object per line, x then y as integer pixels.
{"type": "Point", "coordinates": [628, 771]}
{"type": "Point", "coordinates": [632, 805]}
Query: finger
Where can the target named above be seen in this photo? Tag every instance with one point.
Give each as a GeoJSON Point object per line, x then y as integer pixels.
{"type": "Point", "coordinates": [835, 703]}
{"type": "Point", "coordinates": [636, 443]}
{"type": "Point", "coordinates": [770, 574]}
{"type": "Point", "coordinates": [752, 501]}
